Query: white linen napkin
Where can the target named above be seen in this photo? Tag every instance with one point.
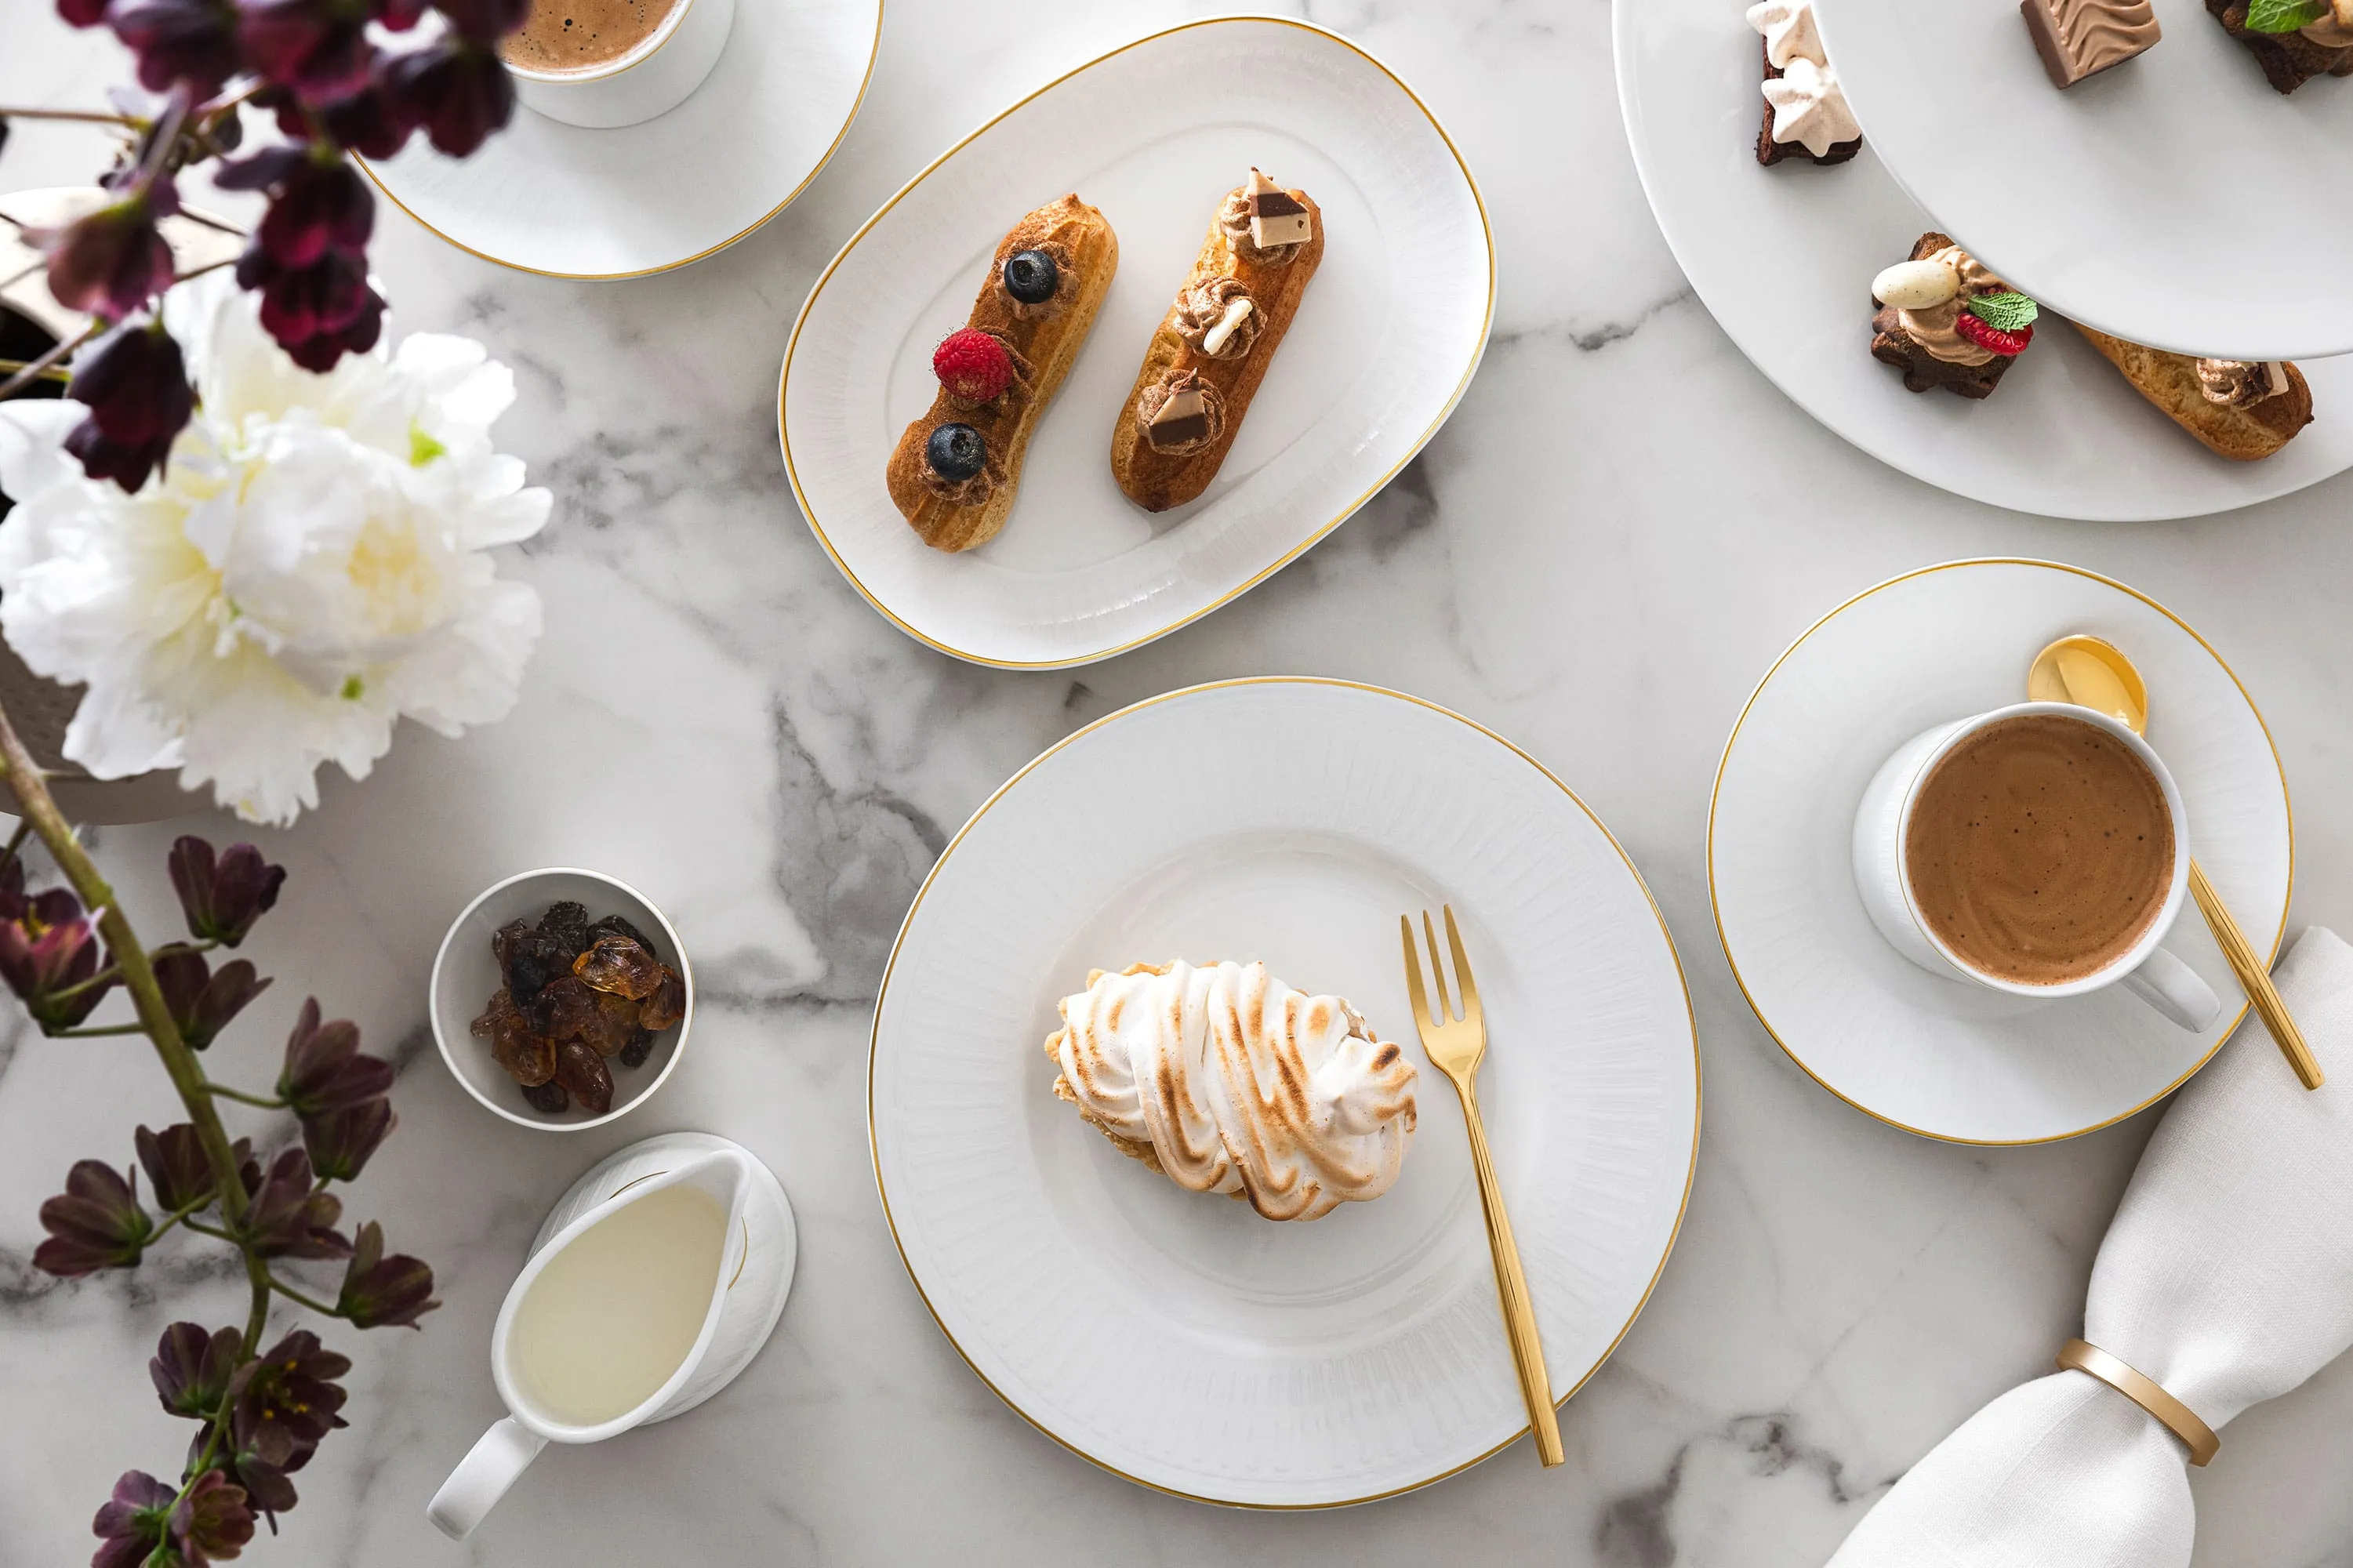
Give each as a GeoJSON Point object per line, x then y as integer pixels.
{"type": "Point", "coordinates": [2226, 1277]}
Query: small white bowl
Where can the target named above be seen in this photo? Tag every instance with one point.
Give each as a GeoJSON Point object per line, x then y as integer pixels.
{"type": "Point", "coordinates": [466, 975]}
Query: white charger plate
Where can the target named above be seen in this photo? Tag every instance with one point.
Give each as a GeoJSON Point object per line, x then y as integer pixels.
{"type": "Point", "coordinates": [1784, 258]}
{"type": "Point", "coordinates": [2175, 200]}
{"type": "Point", "coordinates": [1940, 1057]}
{"type": "Point", "coordinates": [1179, 1340]}
{"type": "Point", "coordinates": [570, 202]}
{"type": "Point", "coordinates": [1154, 133]}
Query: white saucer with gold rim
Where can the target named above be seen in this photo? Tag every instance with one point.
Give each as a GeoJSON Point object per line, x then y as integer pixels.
{"type": "Point", "coordinates": [1930, 1055]}
{"type": "Point", "coordinates": [576, 202]}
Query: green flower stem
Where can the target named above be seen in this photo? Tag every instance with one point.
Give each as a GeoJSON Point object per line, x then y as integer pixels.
{"type": "Point", "coordinates": [222, 1092]}
{"type": "Point", "coordinates": [294, 1295]}
{"type": "Point", "coordinates": [22, 776]}
{"type": "Point", "coordinates": [55, 373]}
{"type": "Point", "coordinates": [112, 972]}
{"type": "Point", "coordinates": [96, 1029]}
{"type": "Point", "coordinates": [89, 116]}
{"type": "Point", "coordinates": [32, 373]}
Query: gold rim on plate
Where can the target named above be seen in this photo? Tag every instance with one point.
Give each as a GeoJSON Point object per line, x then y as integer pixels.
{"type": "Point", "coordinates": [1486, 323]}
{"type": "Point", "coordinates": [873, 52]}
{"type": "Point", "coordinates": [883, 994]}
{"type": "Point", "coordinates": [1716, 910]}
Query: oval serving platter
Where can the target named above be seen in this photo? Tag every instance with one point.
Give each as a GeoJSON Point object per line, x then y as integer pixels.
{"type": "Point", "coordinates": [1366, 374]}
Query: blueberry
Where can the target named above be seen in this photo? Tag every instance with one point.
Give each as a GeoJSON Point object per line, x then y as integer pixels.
{"type": "Point", "coordinates": [956, 452]}
{"type": "Point", "coordinates": [1030, 276]}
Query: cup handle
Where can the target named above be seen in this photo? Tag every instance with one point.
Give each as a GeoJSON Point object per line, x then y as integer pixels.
{"type": "Point", "coordinates": [483, 1478]}
{"type": "Point", "coordinates": [2173, 988]}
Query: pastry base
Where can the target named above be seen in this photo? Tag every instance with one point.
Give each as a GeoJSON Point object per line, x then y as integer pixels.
{"type": "Point", "coordinates": [1890, 344]}
{"type": "Point", "coordinates": [2243, 434]}
{"type": "Point", "coordinates": [2289, 60]}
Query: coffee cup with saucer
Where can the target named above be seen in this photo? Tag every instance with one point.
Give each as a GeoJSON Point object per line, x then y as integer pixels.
{"type": "Point", "coordinates": [649, 78]}
{"type": "Point", "coordinates": [1882, 830]}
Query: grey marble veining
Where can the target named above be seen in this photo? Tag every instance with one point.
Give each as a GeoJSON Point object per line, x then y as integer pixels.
{"type": "Point", "coordinates": [1621, 528]}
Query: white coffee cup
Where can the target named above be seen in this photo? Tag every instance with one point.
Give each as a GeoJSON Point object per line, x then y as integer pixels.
{"type": "Point", "coordinates": [652, 78]}
{"type": "Point", "coordinates": [1885, 817]}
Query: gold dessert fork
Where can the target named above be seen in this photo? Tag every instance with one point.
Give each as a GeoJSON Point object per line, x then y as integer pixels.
{"type": "Point", "coordinates": [1455, 1047]}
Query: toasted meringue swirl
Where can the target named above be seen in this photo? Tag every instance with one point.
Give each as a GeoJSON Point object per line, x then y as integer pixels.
{"type": "Point", "coordinates": [1227, 1081]}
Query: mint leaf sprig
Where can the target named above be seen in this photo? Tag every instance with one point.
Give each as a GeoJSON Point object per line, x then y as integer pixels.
{"type": "Point", "coordinates": [2005, 312]}
{"type": "Point", "coordinates": [2283, 15]}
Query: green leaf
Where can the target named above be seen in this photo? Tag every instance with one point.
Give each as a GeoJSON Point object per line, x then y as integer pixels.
{"type": "Point", "coordinates": [2008, 313]}
{"type": "Point", "coordinates": [2283, 15]}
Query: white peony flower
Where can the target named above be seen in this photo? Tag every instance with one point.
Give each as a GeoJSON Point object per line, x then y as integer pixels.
{"type": "Point", "coordinates": [310, 567]}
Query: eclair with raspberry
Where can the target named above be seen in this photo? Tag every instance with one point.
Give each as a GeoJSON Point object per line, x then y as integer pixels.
{"type": "Point", "coordinates": [955, 471]}
{"type": "Point", "coordinates": [1212, 349]}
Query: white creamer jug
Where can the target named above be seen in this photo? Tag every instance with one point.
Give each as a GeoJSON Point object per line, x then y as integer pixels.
{"type": "Point", "coordinates": [652, 1283]}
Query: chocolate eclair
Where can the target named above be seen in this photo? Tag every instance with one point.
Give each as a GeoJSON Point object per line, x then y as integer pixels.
{"type": "Point", "coordinates": [953, 472]}
{"type": "Point", "coordinates": [1205, 363]}
{"type": "Point", "coordinates": [2244, 410]}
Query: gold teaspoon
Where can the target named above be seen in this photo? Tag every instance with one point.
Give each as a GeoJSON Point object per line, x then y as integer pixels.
{"type": "Point", "coordinates": [2092, 673]}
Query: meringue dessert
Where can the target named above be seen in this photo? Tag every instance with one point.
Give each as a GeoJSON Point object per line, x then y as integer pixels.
{"type": "Point", "coordinates": [1224, 1080]}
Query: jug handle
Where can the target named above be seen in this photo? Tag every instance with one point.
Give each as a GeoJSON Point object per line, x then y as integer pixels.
{"type": "Point", "coordinates": [483, 1478]}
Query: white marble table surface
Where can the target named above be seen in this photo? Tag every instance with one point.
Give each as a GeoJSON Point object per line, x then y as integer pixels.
{"type": "Point", "coordinates": [1621, 528]}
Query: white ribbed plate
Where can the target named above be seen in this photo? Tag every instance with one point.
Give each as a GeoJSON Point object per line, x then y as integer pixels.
{"type": "Point", "coordinates": [1177, 1338]}
{"type": "Point", "coordinates": [1154, 133]}
{"type": "Point", "coordinates": [1940, 1057]}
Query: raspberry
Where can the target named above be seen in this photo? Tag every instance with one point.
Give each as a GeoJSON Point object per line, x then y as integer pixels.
{"type": "Point", "coordinates": [1990, 338]}
{"type": "Point", "coordinates": [974, 365]}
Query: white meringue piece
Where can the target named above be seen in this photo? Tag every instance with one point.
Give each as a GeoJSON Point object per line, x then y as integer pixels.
{"type": "Point", "coordinates": [1237, 1083]}
{"type": "Point", "coordinates": [1809, 107]}
{"type": "Point", "coordinates": [1789, 31]}
{"type": "Point", "coordinates": [1916, 285]}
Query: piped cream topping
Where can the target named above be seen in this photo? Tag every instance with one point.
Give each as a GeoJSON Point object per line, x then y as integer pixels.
{"type": "Point", "coordinates": [1932, 327]}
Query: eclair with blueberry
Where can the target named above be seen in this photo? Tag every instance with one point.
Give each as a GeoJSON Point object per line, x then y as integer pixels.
{"type": "Point", "coordinates": [2244, 410]}
{"type": "Point", "coordinates": [955, 471]}
{"type": "Point", "coordinates": [1211, 351]}
{"type": "Point", "coordinates": [1944, 320]}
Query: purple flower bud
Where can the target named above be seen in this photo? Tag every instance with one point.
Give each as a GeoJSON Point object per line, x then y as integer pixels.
{"type": "Point", "coordinates": [340, 1142]}
{"type": "Point", "coordinates": [211, 1519]}
{"type": "Point", "coordinates": [48, 953]}
{"type": "Point", "coordinates": [95, 1223]}
{"type": "Point", "coordinates": [383, 1292]}
{"type": "Point", "coordinates": [203, 1003]}
{"type": "Point", "coordinates": [325, 1068]}
{"type": "Point", "coordinates": [178, 1174]}
{"type": "Point", "coordinates": [223, 897]}
{"type": "Point", "coordinates": [192, 1369]}
{"type": "Point", "coordinates": [401, 15]}
{"type": "Point", "coordinates": [111, 261]}
{"type": "Point", "coordinates": [367, 122]}
{"type": "Point", "coordinates": [287, 1219]}
{"type": "Point", "coordinates": [131, 1524]}
{"type": "Point", "coordinates": [485, 21]}
{"type": "Point", "coordinates": [322, 205]}
{"type": "Point", "coordinates": [456, 88]}
{"type": "Point", "coordinates": [318, 313]}
{"type": "Point", "coordinates": [319, 49]}
{"type": "Point", "coordinates": [190, 42]}
{"type": "Point", "coordinates": [82, 13]}
{"type": "Point", "coordinates": [135, 384]}
{"type": "Point", "coordinates": [290, 1387]}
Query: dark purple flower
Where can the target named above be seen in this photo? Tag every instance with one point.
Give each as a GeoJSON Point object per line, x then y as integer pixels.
{"type": "Point", "coordinates": [383, 1292]}
{"type": "Point", "coordinates": [222, 898]}
{"type": "Point", "coordinates": [485, 21]}
{"type": "Point", "coordinates": [318, 204]}
{"type": "Point", "coordinates": [192, 1369]}
{"type": "Point", "coordinates": [135, 384]}
{"type": "Point", "coordinates": [178, 1174]}
{"type": "Point", "coordinates": [82, 13]}
{"type": "Point", "coordinates": [318, 313]}
{"type": "Point", "coordinates": [291, 1387]}
{"type": "Point", "coordinates": [192, 42]}
{"type": "Point", "coordinates": [50, 949]}
{"type": "Point", "coordinates": [456, 88]}
{"type": "Point", "coordinates": [134, 1522]}
{"type": "Point", "coordinates": [287, 1220]}
{"type": "Point", "coordinates": [340, 1142]}
{"type": "Point", "coordinates": [95, 1223]}
{"type": "Point", "coordinates": [367, 122]}
{"type": "Point", "coordinates": [401, 15]}
{"type": "Point", "coordinates": [211, 1519]}
{"type": "Point", "coordinates": [111, 261]}
{"type": "Point", "coordinates": [319, 49]}
{"type": "Point", "coordinates": [203, 1003]}
{"type": "Point", "coordinates": [325, 1068]}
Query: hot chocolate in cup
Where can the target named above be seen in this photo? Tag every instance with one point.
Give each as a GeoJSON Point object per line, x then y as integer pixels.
{"type": "Point", "coordinates": [2039, 849]}
{"type": "Point", "coordinates": [604, 64]}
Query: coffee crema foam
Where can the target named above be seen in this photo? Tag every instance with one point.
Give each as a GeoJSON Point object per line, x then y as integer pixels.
{"type": "Point", "coordinates": [581, 35]}
{"type": "Point", "coordinates": [2039, 849]}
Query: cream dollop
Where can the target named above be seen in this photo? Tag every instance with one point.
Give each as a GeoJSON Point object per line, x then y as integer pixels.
{"type": "Point", "coordinates": [2334, 31]}
{"type": "Point", "coordinates": [1233, 1082]}
{"type": "Point", "coordinates": [1809, 107]}
{"type": "Point", "coordinates": [1791, 33]}
{"type": "Point", "coordinates": [1933, 329]}
{"type": "Point", "coordinates": [2241, 383]}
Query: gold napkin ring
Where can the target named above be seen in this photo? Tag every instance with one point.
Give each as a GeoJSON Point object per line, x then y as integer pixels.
{"type": "Point", "coordinates": [2080, 1355]}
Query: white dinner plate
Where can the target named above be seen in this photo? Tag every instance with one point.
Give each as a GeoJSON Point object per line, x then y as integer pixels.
{"type": "Point", "coordinates": [1154, 133]}
{"type": "Point", "coordinates": [1940, 1057]}
{"type": "Point", "coordinates": [1175, 1338]}
{"type": "Point", "coordinates": [571, 202]}
{"type": "Point", "coordinates": [2175, 200]}
{"type": "Point", "coordinates": [1784, 258]}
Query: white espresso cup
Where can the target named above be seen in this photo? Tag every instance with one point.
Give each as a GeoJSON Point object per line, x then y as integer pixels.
{"type": "Point", "coordinates": [1885, 819]}
{"type": "Point", "coordinates": [652, 78]}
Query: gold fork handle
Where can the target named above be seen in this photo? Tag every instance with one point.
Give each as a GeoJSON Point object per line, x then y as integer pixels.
{"type": "Point", "coordinates": [1512, 1289]}
{"type": "Point", "coordinates": [2255, 980]}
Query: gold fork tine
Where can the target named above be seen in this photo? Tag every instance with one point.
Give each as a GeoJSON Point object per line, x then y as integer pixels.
{"type": "Point", "coordinates": [1461, 967]}
{"type": "Point", "coordinates": [1438, 969]}
{"type": "Point", "coordinates": [1421, 1018]}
